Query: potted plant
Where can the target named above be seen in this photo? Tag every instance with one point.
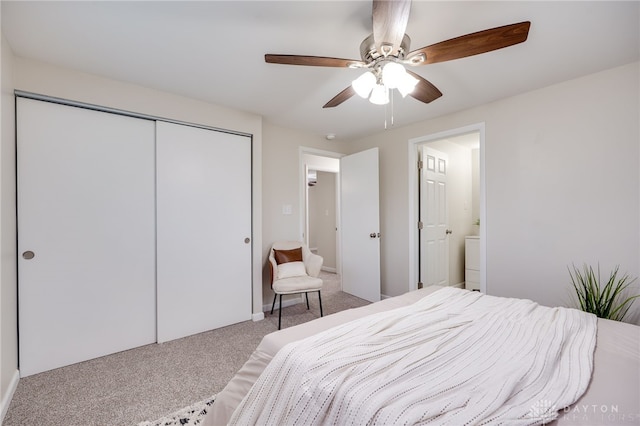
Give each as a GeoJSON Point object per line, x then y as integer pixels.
{"type": "Point", "coordinates": [608, 300]}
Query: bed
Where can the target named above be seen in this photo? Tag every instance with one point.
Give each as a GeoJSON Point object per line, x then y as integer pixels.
{"type": "Point", "coordinates": [609, 395]}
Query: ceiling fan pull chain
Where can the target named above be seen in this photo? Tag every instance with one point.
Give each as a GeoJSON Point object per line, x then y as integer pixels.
{"type": "Point", "coordinates": [391, 90]}
{"type": "Point", "coordinates": [385, 116]}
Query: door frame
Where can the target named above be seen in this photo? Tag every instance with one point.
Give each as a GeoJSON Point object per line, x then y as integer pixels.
{"type": "Point", "coordinates": [304, 202]}
{"type": "Point", "coordinates": [413, 156]}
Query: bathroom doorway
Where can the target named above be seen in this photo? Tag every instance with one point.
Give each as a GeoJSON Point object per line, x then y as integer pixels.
{"type": "Point", "coordinates": [456, 210]}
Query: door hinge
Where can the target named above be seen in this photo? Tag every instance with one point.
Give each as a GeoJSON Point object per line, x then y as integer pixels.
{"type": "Point", "coordinates": [420, 164]}
{"type": "Point", "coordinates": [420, 225]}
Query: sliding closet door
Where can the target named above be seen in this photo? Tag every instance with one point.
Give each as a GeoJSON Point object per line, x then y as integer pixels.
{"type": "Point", "coordinates": [86, 234]}
{"type": "Point", "coordinates": [204, 229]}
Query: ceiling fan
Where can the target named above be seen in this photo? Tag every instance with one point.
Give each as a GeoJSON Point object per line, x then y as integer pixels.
{"type": "Point", "coordinates": [386, 51]}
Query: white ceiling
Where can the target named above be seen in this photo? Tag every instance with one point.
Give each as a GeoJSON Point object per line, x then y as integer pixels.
{"type": "Point", "coordinates": [214, 51]}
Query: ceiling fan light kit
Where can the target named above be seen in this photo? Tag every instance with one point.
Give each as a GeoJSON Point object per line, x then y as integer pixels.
{"type": "Point", "coordinates": [364, 84]}
{"type": "Point", "coordinates": [393, 74]}
{"type": "Point", "coordinates": [379, 95]}
{"type": "Point", "coordinates": [385, 53]}
{"type": "Point", "coordinates": [407, 85]}
{"type": "Point", "coordinates": [389, 75]}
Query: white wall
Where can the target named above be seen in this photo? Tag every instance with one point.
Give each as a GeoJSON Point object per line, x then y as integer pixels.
{"type": "Point", "coordinates": [41, 78]}
{"type": "Point", "coordinates": [562, 185]}
{"type": "Point", "coordinates": [8, 264]}
{"type": "Point", "coordinates": [281, 183]}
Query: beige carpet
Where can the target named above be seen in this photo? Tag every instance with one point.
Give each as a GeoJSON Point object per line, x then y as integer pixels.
{"type": "Point", "coordinates": [152, 381]}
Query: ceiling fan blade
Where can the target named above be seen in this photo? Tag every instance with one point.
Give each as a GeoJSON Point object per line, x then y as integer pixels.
{"type": "Point", "coordinates": [390, 19]}
{"type": "Point", "coordinates": [340, 97]}
{"type": "Point", "coordinates": [424, 90]}
{"type": "Point", "coordinates": [470, 44]}
{"type": "Point", "coordinates": [314, 61]}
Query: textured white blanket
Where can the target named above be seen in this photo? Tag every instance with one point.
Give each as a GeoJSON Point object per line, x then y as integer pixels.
{"type": "Point", "coordinates": [455, 357]}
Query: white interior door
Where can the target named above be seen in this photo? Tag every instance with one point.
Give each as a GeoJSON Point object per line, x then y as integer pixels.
{"type": "Point", "coordinates": [359, 212]}
{"type": "Point", "coordinates": [86, 241]}
{"type": "Point", "coordinates": [204, 217]}
{"type": "Point", "coordinates": [434, 241]}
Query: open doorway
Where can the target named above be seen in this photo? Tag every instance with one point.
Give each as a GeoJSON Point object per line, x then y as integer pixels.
{"type": "Point", "coordinates": [447, 209]}
{"type": "Point", "coordinates": [321, 205]}
{"type": "Point", "coordinates": [322, 216]}
{"type": "Point", "coordinates": [357, 231]}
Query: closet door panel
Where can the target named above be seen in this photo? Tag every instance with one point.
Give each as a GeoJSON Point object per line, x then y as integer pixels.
{"type": "Point", "coordinates": [86, 211]}
{"type": "Point", "coordinates": [204, 216]}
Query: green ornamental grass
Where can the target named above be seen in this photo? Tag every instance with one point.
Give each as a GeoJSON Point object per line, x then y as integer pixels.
{"type": "Point", "coordinates": [605, 301]}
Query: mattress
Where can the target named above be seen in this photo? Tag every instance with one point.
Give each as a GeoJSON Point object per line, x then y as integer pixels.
{"type": "Point", "coordinates": [613, 395]}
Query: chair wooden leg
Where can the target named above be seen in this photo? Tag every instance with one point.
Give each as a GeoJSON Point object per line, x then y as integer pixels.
{"type": "Point", "coordinates": [280, 313]}
{"type": "Point", "coordinates": [320, 300]}
{"type": "Point", "coordinates": [307, 294]}
{"type": "Point", "coordinates": [274, 302]}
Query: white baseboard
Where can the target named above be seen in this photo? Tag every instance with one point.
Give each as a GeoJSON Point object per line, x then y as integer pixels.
{"type": "Point", "coordinates": [329, 269]}
{"type": "Point", "coordinates": [459, 285]}
{"type": "Point", "coordinates": [8, 396]}
{"type": "Point", "coordinates": [285, 303]}
{"type": "Point", "coordinates": [258, 316]}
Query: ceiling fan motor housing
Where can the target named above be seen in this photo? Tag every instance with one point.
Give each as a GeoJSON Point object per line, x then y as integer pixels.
{"type": "Point", "coordinates": [369, 54]}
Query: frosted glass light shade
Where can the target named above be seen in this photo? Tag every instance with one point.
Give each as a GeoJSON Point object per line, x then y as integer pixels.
{"type": "Point", "coordinates": [363, 84]}
{"type": "Point", "coordinates": [379, 95]}
{"type": "Point", "coordinates": [393, 74]}
{"type": "Point", "coordinates": [407, 84]}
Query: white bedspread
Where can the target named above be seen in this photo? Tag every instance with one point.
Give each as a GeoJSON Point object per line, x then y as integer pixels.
{"type": "Point", "coordinates": [455, 357]}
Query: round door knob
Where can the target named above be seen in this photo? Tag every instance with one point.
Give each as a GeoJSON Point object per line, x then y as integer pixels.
{"type": "Point", "coordinates": [247, 240]}
{"type": "Point", "coordinates": [28, 255]}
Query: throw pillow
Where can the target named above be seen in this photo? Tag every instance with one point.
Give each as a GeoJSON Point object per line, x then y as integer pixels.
{"type": "Point", "coordinates": [285, 256]}
{"type": "Point", "coordinates": [291, 269]}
